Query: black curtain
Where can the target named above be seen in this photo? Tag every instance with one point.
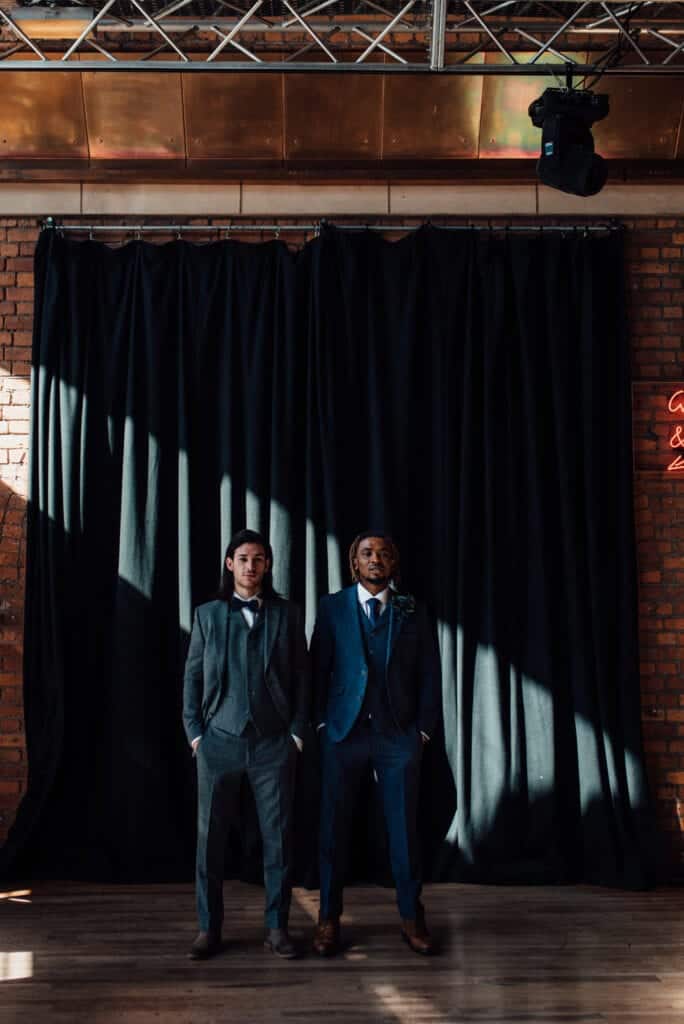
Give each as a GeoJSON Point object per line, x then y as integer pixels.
{"type": "Point", "coordinates": [469, 392]}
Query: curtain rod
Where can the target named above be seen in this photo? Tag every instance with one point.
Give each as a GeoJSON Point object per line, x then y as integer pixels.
{"type": "Point", "coordinates": [49, 224]}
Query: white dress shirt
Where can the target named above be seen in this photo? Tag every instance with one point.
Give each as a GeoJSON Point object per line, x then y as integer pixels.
{"type": "Point", "coordinates": [365, 596]}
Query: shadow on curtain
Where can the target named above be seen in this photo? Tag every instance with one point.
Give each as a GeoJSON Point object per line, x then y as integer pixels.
{"type": "Point", "coordinates": [468, 392]}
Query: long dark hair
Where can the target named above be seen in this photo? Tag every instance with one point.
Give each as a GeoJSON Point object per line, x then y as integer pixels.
{"type": "Point", "coordinates": [227, 586]}
{"type": "Point", "coordinates": [354, 550]}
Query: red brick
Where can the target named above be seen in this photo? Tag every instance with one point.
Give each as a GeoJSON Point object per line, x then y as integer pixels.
{"type": "Point", "coordinates": [26, 234]}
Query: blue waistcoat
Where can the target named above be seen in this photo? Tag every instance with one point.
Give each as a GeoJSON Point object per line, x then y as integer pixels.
{"type": "Point", "coordinates": [376, 700]}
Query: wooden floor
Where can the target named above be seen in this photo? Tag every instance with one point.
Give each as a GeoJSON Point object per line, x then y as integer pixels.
{"type": "Point", "coordinates": [83, 954]}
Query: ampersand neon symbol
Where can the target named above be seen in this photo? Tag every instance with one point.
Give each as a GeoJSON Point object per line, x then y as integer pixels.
{"type": "Point", "coordinates": [677, 439]}
{"type": "Point", "coordinates": [676, 403]}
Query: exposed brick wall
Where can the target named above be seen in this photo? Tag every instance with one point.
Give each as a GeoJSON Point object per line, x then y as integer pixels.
{"type": "Point", "coordinates": [17, 243]}
{"type": "Point", "coordinates": [655, 278]}
{"type": "Point", "coordinates": [656, 314]}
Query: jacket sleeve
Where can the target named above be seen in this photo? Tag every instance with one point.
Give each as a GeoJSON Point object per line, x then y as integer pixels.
{"type": "Point", "coordinates": [430, 700]}
{"type": "Point", "coordinates": [301, 673]}
{"type": "Point", "coordinates": [322, 655]}
{"type": "Point", "coordinates": [193, 682]}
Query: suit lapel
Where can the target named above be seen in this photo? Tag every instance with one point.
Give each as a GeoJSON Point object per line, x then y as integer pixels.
{"type": "Point", "coordinates": [220, 617]}
{"type": "Point", "coordinates": [352, 617]}
{"type": "Point", "coordinates": [396, 624]}
{"type": "Point", "coordinates": [273, 616]}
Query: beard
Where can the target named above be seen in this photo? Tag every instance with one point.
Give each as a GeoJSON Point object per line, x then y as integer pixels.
{"type": "Point", "coordinates": [376, 578]}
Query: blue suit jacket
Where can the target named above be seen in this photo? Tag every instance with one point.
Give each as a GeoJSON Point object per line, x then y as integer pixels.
{"type": "Point", "coordinates": [340, 672]}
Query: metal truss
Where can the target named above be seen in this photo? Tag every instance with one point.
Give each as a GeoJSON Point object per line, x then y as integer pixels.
{"type": "Point", "coordinates": [500, 37]}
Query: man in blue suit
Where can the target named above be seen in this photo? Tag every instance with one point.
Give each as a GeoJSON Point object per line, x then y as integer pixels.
{"type": "Point", "coordinates": [245, 711]}
{"type": "Point", "coordinates": [376, 703]}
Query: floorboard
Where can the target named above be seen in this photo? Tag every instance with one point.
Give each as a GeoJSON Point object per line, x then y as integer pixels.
{"type": "Point", "coordinates": [86, 954]}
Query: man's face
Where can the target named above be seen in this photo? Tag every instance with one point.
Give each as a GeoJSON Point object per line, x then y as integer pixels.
{"type": "Point", "coordinates": [374, 563]}
{"type": "Point", "coordinates": [248, 565]}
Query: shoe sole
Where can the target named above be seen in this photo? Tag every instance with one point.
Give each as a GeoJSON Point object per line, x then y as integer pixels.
{"type": "Point", "coordinates": [205, 954]}
{"type": "Point", "coordinates": [328, 951]}
{"type": "Point", "coordinates": [420, 952]}
{"type": "Point", "coordinates": [268, 946]}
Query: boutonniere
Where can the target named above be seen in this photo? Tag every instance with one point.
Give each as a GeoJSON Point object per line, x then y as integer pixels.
{"type": "Point", "coordinates": [403, 605]}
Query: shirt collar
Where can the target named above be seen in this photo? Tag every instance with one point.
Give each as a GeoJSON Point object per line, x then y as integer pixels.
{"type": "Point", "coordinates": [256, 597]}
{"type": "Point", "coordinates": [365, 595]}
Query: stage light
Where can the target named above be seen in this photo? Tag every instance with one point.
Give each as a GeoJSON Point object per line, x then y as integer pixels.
{"type": "Point", "coordinates": [52, 22]}
{"type": "Point", "coordinates": [568, 161]}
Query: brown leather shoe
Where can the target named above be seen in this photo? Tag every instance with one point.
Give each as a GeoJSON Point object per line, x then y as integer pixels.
{"type": "Point", "coordinates": [205, 945]}
{"type": "Point", "coordinates": [278, 941]}
{"type": "Point", "coordinates": [415, 934]}
{"type": "Point", "coordinates": [326, 940]}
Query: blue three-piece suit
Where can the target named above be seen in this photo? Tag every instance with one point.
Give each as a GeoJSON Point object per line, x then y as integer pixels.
{"type": "Point", "coordinates": [376, 688]}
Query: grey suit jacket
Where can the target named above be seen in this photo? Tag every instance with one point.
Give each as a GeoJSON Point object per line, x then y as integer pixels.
{"type": "Point", "coordinates": [286, 665]}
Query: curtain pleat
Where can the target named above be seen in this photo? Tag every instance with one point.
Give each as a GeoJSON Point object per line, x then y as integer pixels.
{"type": "Point", "coordinates": [466, 391]}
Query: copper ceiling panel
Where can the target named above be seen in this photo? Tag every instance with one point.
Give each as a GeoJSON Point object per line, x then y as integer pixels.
{"type": "Point", "coordinates": [134, 116]}
{"type": "Point", "coordinates": [643, 119]}
{"type": "Point", "coordinates": [432, 117]}
{"type": "Point", "coordinates": [506, 130]}
{"type": "Point", "coordinates": [333, 117]}
{"type": "Point", "coordinates": [42, 117]}
{"type": "Point", "coordinates": [231, 117]}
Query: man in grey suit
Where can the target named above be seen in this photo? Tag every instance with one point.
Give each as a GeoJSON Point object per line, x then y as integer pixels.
{"type": "Point", "coordinates": [245, 709]}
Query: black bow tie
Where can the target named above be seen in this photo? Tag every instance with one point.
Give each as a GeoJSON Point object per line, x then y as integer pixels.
{"type": "Point", "coordinates": [237, 604]}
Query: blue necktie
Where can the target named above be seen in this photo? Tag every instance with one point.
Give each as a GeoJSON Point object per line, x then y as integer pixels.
{"type": "Point", "coordinates": [237, 604]}
{"type": "Point", "coordinates": [373, 610]}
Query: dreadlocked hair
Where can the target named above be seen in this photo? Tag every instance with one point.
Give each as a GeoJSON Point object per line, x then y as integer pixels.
{"type": "Point", "coordinates": [354, 550]}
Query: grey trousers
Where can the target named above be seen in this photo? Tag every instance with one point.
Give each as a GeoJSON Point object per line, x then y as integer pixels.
{"type": "Point", "coordinates": [269, 764]}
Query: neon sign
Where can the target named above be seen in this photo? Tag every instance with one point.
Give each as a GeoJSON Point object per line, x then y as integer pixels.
{"type": "Point", "coordinates": [676, 406]}
{"type": "Point", "coordinates": [676, 403]}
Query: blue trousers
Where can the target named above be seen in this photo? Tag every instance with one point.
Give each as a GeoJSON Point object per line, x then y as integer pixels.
{"type": "Point", "coordinates": [269, 764]}
{"type": "Point", "coordinates": [396, 759]}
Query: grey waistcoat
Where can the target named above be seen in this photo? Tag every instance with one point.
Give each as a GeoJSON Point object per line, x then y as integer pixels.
{"type": "Point", "coordinates": [246, 698]}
